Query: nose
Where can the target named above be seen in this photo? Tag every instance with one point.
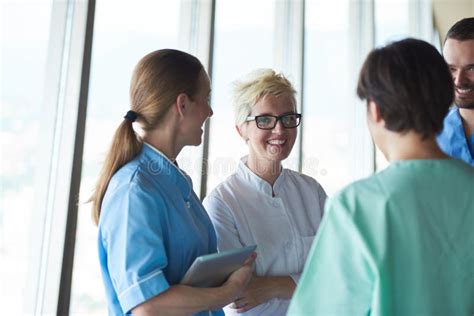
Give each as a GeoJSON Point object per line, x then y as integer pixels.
{"type": "Point", "coordinates": [279, 128]}
{"type": "Point", "coordinates": [459, 78]}
{"type": "Point", "coordinates": [211, 112]}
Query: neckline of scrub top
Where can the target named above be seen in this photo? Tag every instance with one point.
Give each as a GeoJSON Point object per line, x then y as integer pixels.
{"type": "Point", "coordinates": [163, 163]}
{"type": "Point", "coordinates": [424, 162]}
{"type": "Point", "coordinates": [471, 144]}
{"type": "Point", "coordinates": [250, 177]}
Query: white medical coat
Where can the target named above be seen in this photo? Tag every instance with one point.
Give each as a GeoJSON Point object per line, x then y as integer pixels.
{"type": "Point", "coordinates": [244, 212]}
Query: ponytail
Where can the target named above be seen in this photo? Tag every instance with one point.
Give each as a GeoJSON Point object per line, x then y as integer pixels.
{"type": "Point", "coordinates": [125, 146]}
{"type": "Point", "coordinates": [157, 80]}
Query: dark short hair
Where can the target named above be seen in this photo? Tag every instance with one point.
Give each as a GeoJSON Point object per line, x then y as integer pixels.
{"type": "Point", "coordinates": [411, 83]}
{"type": "Point", "coordinates": [462, 30]}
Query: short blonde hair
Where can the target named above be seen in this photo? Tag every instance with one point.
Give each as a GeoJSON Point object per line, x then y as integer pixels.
{"type": "Point", "coordinates": [258, 84]}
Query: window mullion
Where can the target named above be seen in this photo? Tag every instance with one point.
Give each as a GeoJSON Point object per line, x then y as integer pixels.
{"type": "Point", "coordinates": [289, 58]}
{"type": "Point", "coordinates": [362, 41]}
{"type": "Point", "coordinates": [196, 37]}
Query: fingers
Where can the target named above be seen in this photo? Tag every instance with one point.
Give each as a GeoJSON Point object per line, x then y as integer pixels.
{"type": "Point", "coordinates": [239, 303]}
{"type": "Point", "coordinates": [250, 260]}
{"type": "Point", "coordinates": [244, 309]}
{"type": "Point", "coordinates": [243, 306]}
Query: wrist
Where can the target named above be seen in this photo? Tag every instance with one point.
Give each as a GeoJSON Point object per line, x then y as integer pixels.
{"type": "Point", "coordinates": [283, 287]}
{"type": "Point", "coordinates": [221, 296]}
{"type": "Point", "coordinates": [230, 291]}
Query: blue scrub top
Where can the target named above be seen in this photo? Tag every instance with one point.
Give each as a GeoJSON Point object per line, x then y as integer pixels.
{"type": "Point", "coordinates": [453, 140]}
{"type": "Point", "coordinates": [152, 226]}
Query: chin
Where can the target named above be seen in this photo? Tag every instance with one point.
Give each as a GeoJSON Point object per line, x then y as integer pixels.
{"type": "Point", "coordinates": [196, 142]}
{"type": "Point", "coordinates": [279, 157]}
{"type": "Point", "coordinates": [464, 105]}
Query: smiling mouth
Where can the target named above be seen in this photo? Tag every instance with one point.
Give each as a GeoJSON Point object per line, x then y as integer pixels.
{"type": "Point", "coordinates": [464, 90]}
{"type": "Point", "coordinates": [276, 142]}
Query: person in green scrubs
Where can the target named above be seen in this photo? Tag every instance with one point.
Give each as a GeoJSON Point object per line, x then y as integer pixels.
{"type": "Point", "coordinates": [400, 242]}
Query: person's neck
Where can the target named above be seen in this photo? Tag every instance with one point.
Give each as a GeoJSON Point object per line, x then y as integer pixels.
{"type": "Point", "coordinates": [267, 170]}
{"type": "Point", "coordinates": [467, 116]}
{"type": "Point", "coordinates": [164, 139]}
{"type": "Point", "coordinates": [411, 146]}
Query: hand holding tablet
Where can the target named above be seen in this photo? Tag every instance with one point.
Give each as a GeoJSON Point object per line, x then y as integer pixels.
{"type": "Point", "coordinates": [214, 269]}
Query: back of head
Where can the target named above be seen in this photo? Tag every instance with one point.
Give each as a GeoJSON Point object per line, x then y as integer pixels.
{"type": "Point", "coordinates": [462, 30]}
{"type": "Point", "coordinates": [157, 80]}
{"type": "Point", "coordinates": [255, 86]}
{"type": "Point", "coordinates": [411, 83]}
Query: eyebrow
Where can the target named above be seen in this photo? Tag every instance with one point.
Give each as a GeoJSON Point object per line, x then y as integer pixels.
{"type": "Point", "coordinates": [456, 66]}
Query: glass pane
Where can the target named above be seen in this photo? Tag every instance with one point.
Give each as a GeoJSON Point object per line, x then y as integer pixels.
{"type": "Point", "coordinates": [391, 21]}
{"type": "Point", "coordinates": [329, 95]}
{"type": "Point", "coordinates": [124, 31]}
{"type": "Point", "coordinates": [241, 45]}
{"type": "Point", "coordinates": [24, 133]}
{"type": "Point", "coordinates": [391, 24]}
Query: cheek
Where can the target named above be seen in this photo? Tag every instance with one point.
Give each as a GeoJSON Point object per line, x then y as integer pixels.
{"type": "Point", "coordinates": [471, 75]}
{"type": "Point", "coordinates": [257, 138]}
{"type": "Point", "coordinates": [292, 134]}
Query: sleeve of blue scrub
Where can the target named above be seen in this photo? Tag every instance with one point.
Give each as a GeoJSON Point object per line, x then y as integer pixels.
{"type": "Point", "coordinates": [337, 278]}
{"type": "Point", "coordinates": [135, 248]}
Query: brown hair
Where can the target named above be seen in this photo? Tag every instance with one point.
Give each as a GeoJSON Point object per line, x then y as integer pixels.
{"type": "Point", "coordinates": [411, 83]}
{"type": "Point", "coordinates": [157, 80]}
{"type": "Point", "coordinates": [462, 30]}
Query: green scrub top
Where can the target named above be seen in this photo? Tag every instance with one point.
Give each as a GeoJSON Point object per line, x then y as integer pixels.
{"type": "Point", "coordinates": [400, 242]}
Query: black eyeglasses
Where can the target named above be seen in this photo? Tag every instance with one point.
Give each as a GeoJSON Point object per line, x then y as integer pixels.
{"type": "Point", "coordinates": [270, 121]}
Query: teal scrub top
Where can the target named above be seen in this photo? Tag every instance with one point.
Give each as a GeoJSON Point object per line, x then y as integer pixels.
{"type": "Point", "coordinates": [400, 242]}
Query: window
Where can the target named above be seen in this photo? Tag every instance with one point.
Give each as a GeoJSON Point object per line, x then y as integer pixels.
{"type": "Point", "coordinates": [391, 24]}
{"type": "Point", "coordinates": [391, 21]}
{"type": "Point", "coordinates": [26, 140]}
{"type": "Point", "coordinates": [241, 46]}
{"type": "Point", "coordinates": [124, 32]}
{"type": "Point", "coordinates": [328, 108]}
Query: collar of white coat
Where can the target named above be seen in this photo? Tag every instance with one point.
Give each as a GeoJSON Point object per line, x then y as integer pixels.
{"type": "Point", "coordinates": [160, 164]}
{"type": "Point", "coordinates": [258, 183]}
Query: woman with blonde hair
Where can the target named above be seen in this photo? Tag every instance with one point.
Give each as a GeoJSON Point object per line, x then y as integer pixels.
{"type": "Point", "coordinates": [151, 224]}
{"type": "Point", "coordinates": [263, 203]}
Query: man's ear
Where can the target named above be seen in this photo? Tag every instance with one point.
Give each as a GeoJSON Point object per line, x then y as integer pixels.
{"type": "Point", "coordinates": [181, 104]}
{"type": "Point", "coordinates": [373, 112]}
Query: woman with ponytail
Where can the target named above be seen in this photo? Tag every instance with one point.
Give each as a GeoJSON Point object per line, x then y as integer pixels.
{"type": "Point", "coordinates": [151, 224]}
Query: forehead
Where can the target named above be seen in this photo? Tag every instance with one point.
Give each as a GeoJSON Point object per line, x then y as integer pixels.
{"type": "Point", "coordinates": [458, 53]}
{"type": "Point", "coordinates": [275, 105]}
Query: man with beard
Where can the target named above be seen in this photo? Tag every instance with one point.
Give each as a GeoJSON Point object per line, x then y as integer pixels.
{"type": "Point", "coordinates": [457, 137]}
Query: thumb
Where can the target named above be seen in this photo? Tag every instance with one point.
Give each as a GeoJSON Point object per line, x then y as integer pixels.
{"type": "Point", "coordinates": [251, 260]}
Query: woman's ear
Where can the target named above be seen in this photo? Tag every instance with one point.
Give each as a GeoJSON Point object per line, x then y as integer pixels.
{"type": "Point", "coordinates": [181, 104]}
{"type": "Point", "coordinates": [242, 130]}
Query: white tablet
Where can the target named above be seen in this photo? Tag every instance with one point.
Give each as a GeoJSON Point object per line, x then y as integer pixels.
{"type": "Point", "coordinates": [214, 269]}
